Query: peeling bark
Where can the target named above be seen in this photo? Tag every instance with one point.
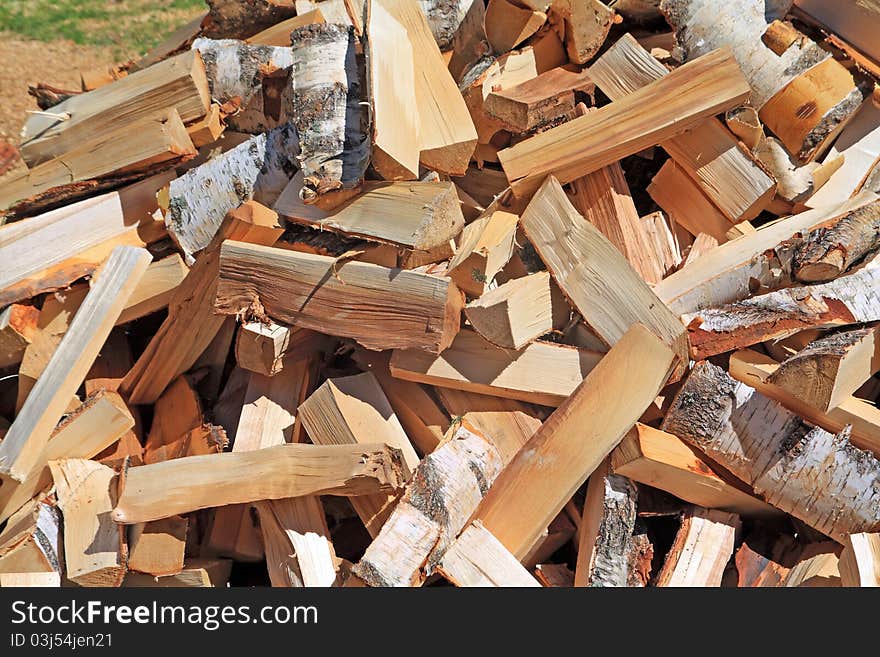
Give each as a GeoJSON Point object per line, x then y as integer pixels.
{"type": "Point", "coordinates": [828, 252]}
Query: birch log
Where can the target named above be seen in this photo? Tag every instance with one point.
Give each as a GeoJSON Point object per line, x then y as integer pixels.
{"type": "Point", "coordinates": [814, 475]}
{"type": "Point", "coordinates": [331, 121]}
{"type": "Point", "coordinates": [444, 18]}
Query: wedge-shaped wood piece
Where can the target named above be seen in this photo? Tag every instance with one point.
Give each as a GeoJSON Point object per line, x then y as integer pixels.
{"type": "Point", "coordinates": [756, 570]}
{"type": "Point", "coordinates": [659, 459]}
{"type": "Point", "coordinates": [31, 580]}
{"type": "Point", "coordinates": [150, 492]}
{"type": "Point", "coordinates": [18, 326]}
{"type": "Point", "coordinates": [730, 273]}
{"type": "Point", "coordinates": [31, 540]}
{"type": "Point", "coordinates": [733, 180]}
{"type": "Point", "coordinates": [178, 82]}
{"type": "Point", "coordinates": [279, 33]}
{"type": "Point", "coordinates": [447, 136]}
{"type": "Point", "coordinates": [263, 348]}
{"type": "Point", "coordinates": [127, 153]}
{"type": "Point", "coordinates": [817, 566]}
{"type": "Point", "coordinates": [155, 289]}
{"type": "Point", "coordinates": [353, 410]}
{"type": "Point", "coordinates": [485, 246]}
{"type": "Point", "coordinates": [191, 324]}
{"type": "Point", "coordinates": [829, 369]}
{"type": "Point", "coordinates": [157, 547]}
{"type": "Point", "coordinates": [179, 427]}
{"type": "Point", "coordinates": [208, 129]}
{"type": "Point", "coordinates": [851, 299]}
{"type": "Point", "coordinates": [860, 561]}
{"type": "Point", "coordinates": [86, 432]}
{"type": "Point", "coordinates": [508, 25]}
{"type": "Point", "coordinates": [814, 475]}
{"type": "Point", "coordinates": [606, 529]}
{"type": "Point", "coordinates": [575, 440]}
{"type": "Point", "coordinates": [95, 550]}
{"type": "Point", "coordinates": [478, 559]}
{"type": "Point", "coordinates": [379, 307]}
{"type": "Point", "coordinates": [204, 572]}
{"type": "Point", "coordinates": [703, 244]}
{"type": "Point", "coordinates": [27, 437]}
{"type": "Point", "coordinates": [414, 215]}
{"type": "Point", "coordinates": [593, 275]}
{"type": "Point", "coordinates": [586, 26]}
{"type": "Point", "coordinates": [701, 550]}
{"type": "Point", "coordinates": [515, 313]}
{"type": "Point", "coordinates": [52, 250]}
{"type": "Point", "coordinates": [539, 373]}
{"type": "Point", "coordinates": [755, 369]}
{"type": "Point", "coordinates": [644, 118]}
{"type": "Point", "coordinates": [445, 490]}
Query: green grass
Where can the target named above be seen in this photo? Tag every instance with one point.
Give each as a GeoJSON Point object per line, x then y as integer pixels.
{"type": "Point", "coordinates": [129, 27]}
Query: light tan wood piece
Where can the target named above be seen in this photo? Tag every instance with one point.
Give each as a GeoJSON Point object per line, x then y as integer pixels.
{"type": "Point", "coordinates": [27, 437]}
{"type": "Point", "coordinates": [515, 313]}
{"type": "Point", "coordinates": [575, 439]}
{"type": "Point", "coordinates": [701, 550]}
{"type": "Point", "coordinates": [508, 25]}
{"type": "Point", "coordinates": [179, 428]}
{"type": "Point", "coordinates": [582, 265]}
{"type": "Point", "coordinates": [539, 373]}
{"type": "Point", "coordinates": [155, 289]}
{"type": "Point", "coordinates": [691, 93]}
{"type": "Point", "coordinates": [95, 551]}
{"type": "Point", "coordinates": [485, 246]}
{"type": "Point", "coordinates": [818, 566]}
{"type": "Point", "coordinates": [279, 33]}
{"type": "Point", "coordinates": [478, 559]}
{"type": "Point", "coordinates": [157, 547]}
{"type": "Point", "coordinates": [198, 573]}
{"type": "Point", "coordinates": [418, 310]}
{"type": "Point", "coordinates": [30, 580]}
{"type": "Point", "coordinates": [208, 129]}
{"type": "Point", "coordinates": [586, 26]}
{"type": "Point", "coordinates": [18, 326]}
{"type": "Point", "coordinates": [659, 459]}
{"type": "Point", "coordinates": [756, 570]}
{"type": "Point", "coordinates": [264, 347]}
{"type": "Point", "coordinates": [31, 540]}
{"type": "Point", "coordinates": [860, 561]}
{"type": "Point", "coordinates": [703, 244]}
{"type": "Point", "coordinates": [150, 492]}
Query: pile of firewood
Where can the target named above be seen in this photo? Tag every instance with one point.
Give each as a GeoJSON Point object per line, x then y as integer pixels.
{"type": "Point", "coordinates": [404, 292]}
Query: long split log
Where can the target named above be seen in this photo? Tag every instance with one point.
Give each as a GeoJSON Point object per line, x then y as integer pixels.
{"type": "Point", "coordinates": [701, 550]}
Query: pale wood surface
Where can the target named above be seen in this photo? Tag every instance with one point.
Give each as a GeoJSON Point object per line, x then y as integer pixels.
{"type": "Point", "coordinates": [478, 559]}
{"type": "Point", "coordinates": [701, 550]}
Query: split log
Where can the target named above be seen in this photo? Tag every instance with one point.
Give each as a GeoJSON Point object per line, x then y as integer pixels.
{"type": "Point", "coordinates": [31, 580]}
{"type": "Point", "coordinates": [331, 120]}
{"type": "Point", "coordinates": [278, 34]}
{"type": "Point", "coordinates": [514, 314]}
{"type": "Point", "coordinates": [405, 309]}
{"type": "Point", "coordinates": [648, 116]}
{"type": "Point", "coordinates": [235, 20]}
{"type": "Point", "coordinates": [31, 540]}
{"type": "Point", "coordinates": [539, 373]}
{"type": "Point", "coordinates": [659, 459]}
{"type": "Point", "coordinates": [850, 22]}
{"type": "Point", "coordinates": [755, 369]}
{"type": "Point", "coordinates": [178, 83]}
{"type": "Point", "coordinates": [756, 570]}
{"type": "Point", "coordinates": [27, 437]}
{"type": "Point", "coordinates": [18, 326]}
{"type": "Point", "coordinates": [702, 548]}
{"type": "Point", "coordinates": [485, 246]}
{"type": "Point", "coordinates": [585, 263]}
{"type": "Point", "coordinates": [95, 551]}
{"type": "Point", "coordinates": [586, 26]}
{"type": "Point", "coordinates": [445, 489]}
{"type": "Point", "coordinates": [661, 241]}
{"type": "Point", "coordinates": [196, 203]}
{"type": "Point", "coordinates": [801, 93]}
{"type": "Point", "coordinates": [702, 245]}
{"type": "Point", "coordinates": [199, 573]}
{"type": "Point", "coordinates": [556, 575]}
{"type": "Point", "coordinates": [157, 548]}
{"type": "Point", "coordinates": [191, 324]}
{"type": "Point", "coordinates": [264, 348]}
{"type": "Point", "coordinates": [830, 369]}
{"type": "Point", "coordinates": [155, 289]}
{"type": "Point", "coordinates": [150, 492]}
{"type": "Point", "coordinates": [208, 129]}
{"type": "Point", "coordinates": [425, 214]}
{"type": "Point", "coordinates": [469, 43]}
{"type": "Point", "coordinates": [606, 529]}
{"type": "Point", "coordinates": [816, 476]}
{"type": "Point", "coordinates": [179, 428]}
{"type": "Point", "coordinates": [860, 561]}
{"type": "Point", "coordinates": [508, 25]}
{"type": "Point", "coordinates": [818, 566]}
{"type": "Point", "coordinates": [574, 440]}
{"type": "Point", "coordinates": [478, 559]}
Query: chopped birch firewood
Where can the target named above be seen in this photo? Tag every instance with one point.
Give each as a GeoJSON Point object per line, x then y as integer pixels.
{"type": "Point", "coordinates": [485, 246]}
{"type": "Point", "coordinates": [702, 245]}
{"type": "Point", "coordinates": [606, 529]}
{"type": "Point", "coordinates": [279, 33]}
{"type": "Point", "coordinates": [515, 313]}
{"type": "Point", "coordinates": [155, 289]}
{"type": "Point", "coordinates": [32, 580]}
{"type": "Point", "coordinates": [818, 565]}
{"type": "Point", "coordinates": [702, 548]}
{"type": "Point", "coordinates": [405, 309]}
{"type": "Point", "coordinates": [445, 18]}
{"type": "Point", "coordinates": [586, 26]}
{"type": "Point", "coordinates": [814, 475]}
{"type": "Point", "coordinates": [860, 561]}
{"type": "Point", "coordinates": [508, 25]}
{"type": "Point", "coordinates": [95, 550]}
{"type": "Point", "coordinates": [261, 347]}
{"type": "Point", "coordinates": [157, 547]}
{"type": "Point", "coordinates": [478, 559]}
{"type": "Point", "coordinates": [178, 427]}
{"type": "Point", "coordinates": [31, 540]}
{"type": "Point", "coordinates": [575, 439]}
{"type": "Point", "coordinates": [539, 373]}
{"type": "Point", "coordinates": [18, 326]}
{"type": "Point", "coordinates": [593, 275]}
{"type": "Point", "coordinates": [554, 575]}
{"type": "Point", "coordinates": [756, 570]}
{"type": "Point", "coordinates": [150, 492]}
{"type": "Point", "coordinates": [469, 43]}
{"type": "Point", "coordinates": [198, 573]}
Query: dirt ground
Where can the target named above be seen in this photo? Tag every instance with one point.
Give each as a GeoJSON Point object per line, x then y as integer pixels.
{"type": "Point", "coordinates": [28, 62]}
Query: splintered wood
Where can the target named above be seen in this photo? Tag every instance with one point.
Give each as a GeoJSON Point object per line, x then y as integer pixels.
{"type": "Point", "coordinates": [473, 293]}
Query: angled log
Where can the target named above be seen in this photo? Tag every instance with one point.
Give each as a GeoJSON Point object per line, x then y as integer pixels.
{"type": "Point", "coordinates": [756, 570]}
{"type": "Point", "coordinates": [150, 492]}
{"type": "Point", "coordinates": [469, 42]}
{"type": "Point", "coordinates": [586, 27]}
{"type": "Point", "coordinates": [514, 313]}
{"type": "Point", "coordinates": [485, 246]}
{"type": "Point", "coordinates": [508, 25]}
{"type": "Point", "coordinates": [814, 475]}
{"type": "Point", "coordinates": [264, 348]}
{"type": "Point", "coordinates": [18, 326]}
{"type": "Point", "coordinates": [155, 289]}
{"type": "Point", "coordinates": [31, 580]}
{"type": "Point", "coordinates": [703, 244]}
{"type": "Point", "coordinates": [417, 310]}
{"type": "Point", "coordinates": [701, 550]}
{"type": "Point", "coordinates": [661, 241]}
{"type": "Point", "coordinates": [573, 446]}
{"type": "Point", "coordinates": [278, 34]}
{"type": "Point", "coordinates": [818, 566]}
{"type": "Point", "coordinates": [478, 559]}
{"type": "Point", "coordinates": [27, 437]}
{"type": "Point", "coordinates": [204, 572]}
{"type": "Point", "coordinates": [445, 18]}
{"type": "Point", "coordinates": [539, 373]}
{"type": "Point", "coordinates": [554, 575]}
{"type": "Point", "coordinates": [191, 324]}
{"type": "Point", "coordinates": [31, 540]}
{"type": "Point", "coordinates": [666, 108]}
{"type": "Point", "coordinates": [208, 129]}
{"type": "Point", "coordinates": [157, 548]}
{"type": "Point", "coordinates": [662, 460]}
{"type": "Point", "coordinates": [179, 427]}
{"type": "Point", "coordinates": [95, 549]}
{"type": "Point", "coordinates": [585, 263]}
{"type": "Point", "coordinates": [860, 561]}
{"type": "Point", "coordinates": [729, 177]}
{"type": "Point", "coordinates": [606, 529]}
